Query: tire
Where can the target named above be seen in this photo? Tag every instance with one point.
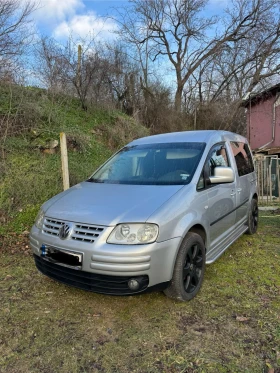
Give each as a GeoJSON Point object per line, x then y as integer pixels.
{"type": "Point", "coordinates": [188, 270]}
{"type": "Point", "coordinates": [253, 217]}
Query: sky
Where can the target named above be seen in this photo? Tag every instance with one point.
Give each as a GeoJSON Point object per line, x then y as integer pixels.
{"type": "Point", "coordinates": [57, 17]}
{"type": "Point", "coordinates": [84, 17]}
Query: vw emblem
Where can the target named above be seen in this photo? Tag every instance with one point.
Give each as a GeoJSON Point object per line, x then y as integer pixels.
{"type": "Point", "coordinates": [64, 231]}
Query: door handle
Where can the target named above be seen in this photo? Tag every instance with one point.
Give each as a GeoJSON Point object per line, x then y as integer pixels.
{"type": "Point", "coordinates": [239, 190]}
{"type": "Point", "coordinates": [233, 194]}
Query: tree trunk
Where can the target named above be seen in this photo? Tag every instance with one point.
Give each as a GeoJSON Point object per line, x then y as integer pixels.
{"type": "Point", "coordinates": [178, 98]}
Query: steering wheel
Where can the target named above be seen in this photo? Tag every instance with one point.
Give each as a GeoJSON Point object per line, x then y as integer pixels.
{"type": "Point", "coordinates": [175, 176]}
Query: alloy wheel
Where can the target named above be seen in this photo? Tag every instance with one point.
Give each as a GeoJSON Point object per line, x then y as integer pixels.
{"type": "Point", "coordinates": [255, 215]}
{"type": "Point", "coordinates": [192, 269]}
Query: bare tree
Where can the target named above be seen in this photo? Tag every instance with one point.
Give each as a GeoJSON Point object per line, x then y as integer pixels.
{"type": "Point", "coordinates": [178, 30]}
{"type": "Point", "coordinates": [252, 62]}
{"type": "Point", "coordinates": [81, 64]}
{"type": "Point", "coordinates": [74, 69]}
{"type": "Point", "coordinates": [49, 64]}
{"type": "Point", "coordinates": [221, 82]}
{"type": "Point", "coordinates": [15, 30]}
{"type": "Point", "coordinates": [131, 34]}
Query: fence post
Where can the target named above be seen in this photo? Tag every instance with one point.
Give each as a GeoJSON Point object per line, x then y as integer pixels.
{"type": "Point", "coordinates": [270, 179]}
{"type": "Point", "coordinates": [262, 177]}
{"type": "Point", "coordinates": [259, 178]}
{"type": "Point", "coordinates": [64, 161]}
{"type": "Point", "coordinates": [278, 176]}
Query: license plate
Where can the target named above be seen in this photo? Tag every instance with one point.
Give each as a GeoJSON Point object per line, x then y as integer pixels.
{"type": "Point", "coordinates": [62, 257]}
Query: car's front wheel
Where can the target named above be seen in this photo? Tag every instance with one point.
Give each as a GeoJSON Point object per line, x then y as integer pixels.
{"type": "Point", "coordinates": [189, 269]}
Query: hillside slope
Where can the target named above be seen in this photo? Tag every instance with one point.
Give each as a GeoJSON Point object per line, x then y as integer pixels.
{"type": "Point", "coordinates": [31, 120]}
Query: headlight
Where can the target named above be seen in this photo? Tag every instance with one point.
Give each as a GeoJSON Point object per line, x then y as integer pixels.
{"type": "Point", "coordinates": [39, 219]}
{"type": "Point", "coordinates": [133, 234]}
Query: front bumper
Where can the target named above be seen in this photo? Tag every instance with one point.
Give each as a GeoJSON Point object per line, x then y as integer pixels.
{"type": "Point", "coordinates": [107, 268]}
{"type": "Point", "coordinates": [115, 285]}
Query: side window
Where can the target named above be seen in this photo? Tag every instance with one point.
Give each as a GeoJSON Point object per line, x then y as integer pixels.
{"type": "Point", "coordinates": [243, 158]}
{"type": "Point", "coordinates": [201, 182]}
{"type": "Point", "coordinates": [217, 157]}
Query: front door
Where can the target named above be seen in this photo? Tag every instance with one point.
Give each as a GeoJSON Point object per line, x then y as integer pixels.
{"type": "Point", "coordinates": [221, 206]}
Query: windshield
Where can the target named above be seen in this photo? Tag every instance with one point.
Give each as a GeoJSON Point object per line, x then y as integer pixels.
{"type": "Point", "coordinates": [152, 164]}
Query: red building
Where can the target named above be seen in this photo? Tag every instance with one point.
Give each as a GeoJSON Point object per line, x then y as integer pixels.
{"type": "Point", "coordinates": [263, 120]}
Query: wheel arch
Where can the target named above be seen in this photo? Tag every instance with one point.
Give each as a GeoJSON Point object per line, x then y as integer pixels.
{"type": "Point", "coordinates": [196, 228]}
{"type": "Point", "coordinates": [200, 230]}
{"type": "Point", "coordinates": [176, 288]}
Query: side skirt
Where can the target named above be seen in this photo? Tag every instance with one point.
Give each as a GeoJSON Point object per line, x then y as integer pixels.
{"type": "Point", "coordinates": [218, 250]}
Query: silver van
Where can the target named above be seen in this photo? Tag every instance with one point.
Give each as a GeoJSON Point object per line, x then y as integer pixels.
{"type": "Point", "coordinates": [151, 217]}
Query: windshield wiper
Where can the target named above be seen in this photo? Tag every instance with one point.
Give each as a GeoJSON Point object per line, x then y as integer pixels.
{"type": "Point", "coordinates": [92, 180]}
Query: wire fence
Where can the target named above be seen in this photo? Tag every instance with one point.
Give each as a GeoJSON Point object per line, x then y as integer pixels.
{"type": "Point", "coordinates": [268, 174]}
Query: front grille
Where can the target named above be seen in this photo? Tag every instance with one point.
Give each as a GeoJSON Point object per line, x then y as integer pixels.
{"type": "Point", "coordinates": [52, 226]}
{"type": "Point", "coordinates": [86, 233]}
{"type": "Point", "coordinates": [114, 285]}
{"type": "Point", "coordinates": [81, 232]}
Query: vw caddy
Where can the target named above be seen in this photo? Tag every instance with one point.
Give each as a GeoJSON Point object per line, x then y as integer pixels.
{"type": "Point", "coordinates": [150, 217]}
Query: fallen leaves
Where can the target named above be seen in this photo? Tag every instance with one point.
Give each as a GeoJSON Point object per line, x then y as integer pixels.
{"type": "Point", "coordinates": [15, 243]}
{"type": "Point", "coordinates": [242, 318]}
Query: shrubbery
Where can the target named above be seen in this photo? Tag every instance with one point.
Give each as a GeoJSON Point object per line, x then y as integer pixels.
{"type": "Point", "coordinates": [30, 172]}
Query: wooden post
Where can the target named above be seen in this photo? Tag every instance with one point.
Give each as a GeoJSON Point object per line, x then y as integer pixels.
{"type": "Point", "coordinates": [278, 176]}
{"type": "Point", "coordinates": [259, 177]}
{"type": "Point", "coordinates": [270, 180]}
{"type": "Point", "coordinates": [262, 176]}
{"type": "Point", "coordinates": [267, 178]}
{"type": "Point", "coordinates": [64, 161]}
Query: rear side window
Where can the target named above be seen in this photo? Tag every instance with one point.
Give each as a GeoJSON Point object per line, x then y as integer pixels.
{"type": "Point", "coordinates": [243, 158]}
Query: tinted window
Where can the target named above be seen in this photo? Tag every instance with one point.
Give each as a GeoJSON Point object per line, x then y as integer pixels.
{"type": "Point", "coordinates": [243, 158]}
{"type": "Point", "coordinates": [152, 164]}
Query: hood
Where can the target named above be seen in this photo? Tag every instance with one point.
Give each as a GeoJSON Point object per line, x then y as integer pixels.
{"type": "Point", "coordinates": [109, 204]}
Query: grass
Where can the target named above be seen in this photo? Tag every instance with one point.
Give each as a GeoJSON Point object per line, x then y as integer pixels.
{"type": "Point", "coordinates": [233, 325]}
{"type": "Point", "coordinates": [29, 119]}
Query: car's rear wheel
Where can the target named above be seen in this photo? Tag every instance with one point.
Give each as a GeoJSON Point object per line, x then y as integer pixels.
{"type": "Point", "coordinates": [189, 269]}
{"type": "Point", "coordinates": [253, 217]}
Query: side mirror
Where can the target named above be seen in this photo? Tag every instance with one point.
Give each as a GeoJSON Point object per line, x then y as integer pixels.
{"type": "Point", "coordinates": [222, 175]}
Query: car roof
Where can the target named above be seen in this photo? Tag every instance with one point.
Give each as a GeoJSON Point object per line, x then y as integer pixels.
{"type": "Point", "coordinates": [206, 136]}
